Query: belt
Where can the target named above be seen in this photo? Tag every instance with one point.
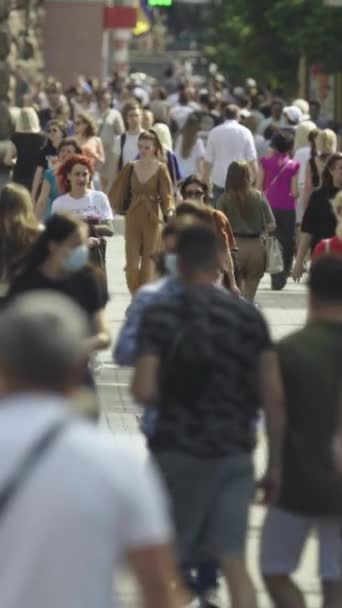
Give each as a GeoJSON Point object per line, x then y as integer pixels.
{"type": "Point", "coordinates": [247, 236]}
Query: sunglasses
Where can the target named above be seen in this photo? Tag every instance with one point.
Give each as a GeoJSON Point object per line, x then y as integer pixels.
{"type": "Point", "coordinates": [194, 193]}
{"type": "Point", "coordinates": [53, 130]}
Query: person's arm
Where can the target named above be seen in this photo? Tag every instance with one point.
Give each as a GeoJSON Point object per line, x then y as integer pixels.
{"type": "Point", "coordinates": [307, 185]}
{"type": "Point", "coordinates": [273, 402]}
{"type": "Point", "coordinates": [145, 380]}
{"type": "Point", "coordinates": [37, 180]}
{"type": "Point", "coordinates": [294, 187]}
{"type": "Point", "coordinates": [260, 178]}
{"type": "Point", "coordinates": [105, 228]}
{"type": "Point", "coordinates": [254, 169]}
{"type": "Point", "coordinates": [43, 199]}
{"type": "Point", "coordinates": [209, 160]}
{"type": "Point", "coordinates": [11, 154]}
{"type": "Point", "coordinates": [100, 340]}
{"type": "Point", "coordinates": [269, 219]}
{"type": "Point", "coordinates": [165, 191]}
{"type": "Point", "coordinates": [125, 350]}
{"type": "Point", "coordinates": [100, 153]}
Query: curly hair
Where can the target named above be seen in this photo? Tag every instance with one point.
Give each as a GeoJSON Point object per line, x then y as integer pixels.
{"type": "Point", "coordinates": [67, 167]}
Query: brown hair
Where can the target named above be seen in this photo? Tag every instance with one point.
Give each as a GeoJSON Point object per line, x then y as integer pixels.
{"type": "Point", "coordinates": [238, 182]}
{"type": "Point", "coordinates": [91, 128]}
{"type": "Point", "coordinates": [18, 228]}
{"type": "Point", "coordinates": [327, 178]}
{"type": "Point", "coordinates": [189, 135]}
{"type": "Point", "coordinates": [152, 136]}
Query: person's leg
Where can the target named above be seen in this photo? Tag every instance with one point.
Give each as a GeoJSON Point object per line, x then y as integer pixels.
{"type": "Point", "coordinates": [285, 233]}
{"type": "Point", "coordinates": [283, 537]}
{"type": "Point", "coordinates": [133, 242]}
{"type": "Point", "coordinates": [255, 268]}
{"type": "Point", "coordinates": [227, 530]}
{"type": "Point", "coordinates": [330, 551]}
{"type": "Point", "coordinates": [242, 258]}
{"type": "Point", "coordinates": [207, 575]}
{"type": "Point", "coordinates": [151, 244]}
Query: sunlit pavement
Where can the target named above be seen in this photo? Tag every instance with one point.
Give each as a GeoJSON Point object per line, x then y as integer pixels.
{"type": "Point", "coordinates": [285, 311]}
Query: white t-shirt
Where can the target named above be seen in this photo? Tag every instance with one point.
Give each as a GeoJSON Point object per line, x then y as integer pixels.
{"type": "Point", "coordinates": [88, 501]}
{"type": "Point", "coordinates": [227, 143]}
{"type": "Point", "coordinates": [130, 148]}
{"type": "Point", "coordinates": [189, 166]}
{"type": "Point", "coordinates": [94, 204]}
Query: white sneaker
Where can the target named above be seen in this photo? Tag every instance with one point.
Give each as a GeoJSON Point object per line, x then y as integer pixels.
{"type": "Point", "coordinates": [211, 598]}
{"type": "Point", "coordinates": [194, 603]}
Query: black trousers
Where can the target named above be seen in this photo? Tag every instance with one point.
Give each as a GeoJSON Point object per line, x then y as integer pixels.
{"type": "Point", "coordinates": [285, 233]}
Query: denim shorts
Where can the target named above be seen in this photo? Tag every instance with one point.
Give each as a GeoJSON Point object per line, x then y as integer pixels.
{"type": "Point", "coordinates": [210, 501]}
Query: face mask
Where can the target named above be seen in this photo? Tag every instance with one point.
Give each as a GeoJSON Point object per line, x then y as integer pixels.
{"type": "Point", "coordinates": [170, 261]}
{"type": "Point", "coordinates": [77, 259]}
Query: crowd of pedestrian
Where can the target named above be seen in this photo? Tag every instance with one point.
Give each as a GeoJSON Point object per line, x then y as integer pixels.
{"type": "Point", "coordinates": [217, 185]}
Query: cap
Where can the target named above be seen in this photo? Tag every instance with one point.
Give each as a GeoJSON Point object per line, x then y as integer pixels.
{"type": "Point", "coordinates": [293, 113]}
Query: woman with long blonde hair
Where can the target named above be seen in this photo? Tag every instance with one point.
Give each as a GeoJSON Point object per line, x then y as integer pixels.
{"type": "Point", "coordinates": [27, 143]}
{"type": "Point", "coordinates": [190, 151]}
{"type": "Point", "coordinates": [18, 228]}
{"type": "Point", "coordinates": [250, 216]}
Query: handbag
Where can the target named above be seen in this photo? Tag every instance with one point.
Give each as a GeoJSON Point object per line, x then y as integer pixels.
{"type": "Point", "coordinates": [274, 255]}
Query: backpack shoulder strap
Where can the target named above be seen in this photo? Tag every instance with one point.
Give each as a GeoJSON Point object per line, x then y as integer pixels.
{"type": "Point", "coordinates": [30, 462]}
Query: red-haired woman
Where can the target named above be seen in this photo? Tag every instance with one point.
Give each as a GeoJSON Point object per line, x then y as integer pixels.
{"type": "Point", "coordinates": [92, 206]}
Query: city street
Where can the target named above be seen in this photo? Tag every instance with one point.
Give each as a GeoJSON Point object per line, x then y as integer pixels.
{"type": "Point", "coordinates": [285, 311]}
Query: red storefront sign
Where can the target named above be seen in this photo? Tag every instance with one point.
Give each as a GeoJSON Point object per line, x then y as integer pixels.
{"type": "Point", "coordinates": [119, 17]}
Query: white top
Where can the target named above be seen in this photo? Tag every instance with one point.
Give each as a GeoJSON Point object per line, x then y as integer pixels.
{"type": "Point", "coordinates": [94, 204]}
{"type": "Point", "coordinates": [189, 166]}
{"type": "Point", "coordinates": [130, 148]}
{"type": "Point", "coordinates": [302, 156]}
{"type": "Point", "coordinates": [180, 113]}
{"type": "Point", "coordinates": [110, 125]}
{"type": "Point", "coordinates": [227, 143]}
{"type": "Point", "coordinates": [87, 502]}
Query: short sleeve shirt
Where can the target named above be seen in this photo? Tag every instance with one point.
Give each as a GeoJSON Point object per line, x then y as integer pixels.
{"type": "Point", "coordinates": [94, 205]}
{"type": "Point", "coordinates": [319, 219]}
{"type": "Point", "coordinates": [208, 344]}
{"type": "Point", "coordinates": [279, 171]}
{"type": "Point", "coordinates": [248, 217]}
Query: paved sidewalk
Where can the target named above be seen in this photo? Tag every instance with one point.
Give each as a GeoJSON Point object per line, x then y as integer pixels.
{"type": "Point", "coordinates": [285, 311]}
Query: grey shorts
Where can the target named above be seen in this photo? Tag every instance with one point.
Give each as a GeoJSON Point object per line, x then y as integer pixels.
{"type": "Point", "coordinates": [210, 501]}
{"type": "Point", "coordinates": [283, 539]}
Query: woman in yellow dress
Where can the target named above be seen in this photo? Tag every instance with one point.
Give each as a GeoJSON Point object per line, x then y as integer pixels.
{"type": "Point", "coordinates": [143, 193]}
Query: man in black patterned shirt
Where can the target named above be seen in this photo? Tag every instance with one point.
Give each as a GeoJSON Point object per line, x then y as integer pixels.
{"type": "Point", "coordinates": [205, 359]}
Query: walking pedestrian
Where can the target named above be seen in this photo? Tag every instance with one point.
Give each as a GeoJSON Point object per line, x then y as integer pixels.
{"type": "Point", "coordinates": [50, 190]}
{"type": "Point", "coordinates": [18, 228]}
{"type": "Point", "coordinates": [311, 490]}
{"type": "Point", "coordinates": [190, 150]}
{"type": "Point", "coordinates": [126, 145]}
{"type": "Point", "coordinates": [195, 195]}
{"type": "Point", "coordinates": [250, 216]}
{"type": "Point", "coordinates": [278, 180]}
{"type": "Point", "coordinates": [325, 145]}
{"type": "Point", "coordinates": [319, 221]}
{"type": "Point", "coordinates": [48, 156]}
{"type": "Point", "coordinates": [302, 154]}
{"type": "Point", "coordinates": [110, 125]}
{"type": "Point", "coordinates": [98, 506]}
{"type": "Point", "coordinates": [92, 206]}
{"type": "Point", "coordinates": [144, 193]}
{"type": "Point", "coordinates": [334, 244]}
{"type": "Point", "coordinates": [199, 356]}
{"type": "Point", "coordinates": [27, 141]}
{"type": "Point", "coordinates": [91, 144]}
{"type": "Point", "coordinates": [226, 143]}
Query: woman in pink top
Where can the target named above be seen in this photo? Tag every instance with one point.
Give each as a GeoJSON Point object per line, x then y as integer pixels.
{"type": "Point", "coordinates": [279, 182]}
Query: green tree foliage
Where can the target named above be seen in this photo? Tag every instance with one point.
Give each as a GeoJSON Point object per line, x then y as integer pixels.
{"type": "Point", "coordinates": [266, 38]}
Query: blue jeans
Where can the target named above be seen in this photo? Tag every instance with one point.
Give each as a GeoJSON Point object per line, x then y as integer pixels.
{"type": "Point", "coordinates": [217, 192]}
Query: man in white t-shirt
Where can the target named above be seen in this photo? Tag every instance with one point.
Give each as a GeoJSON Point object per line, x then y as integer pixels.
{"type": "Point", "coordinates": [228, 142]}
{"type": "Point", "coordinates": [74, 503]}
{"type": "Point", "coordinates": [126, 145]}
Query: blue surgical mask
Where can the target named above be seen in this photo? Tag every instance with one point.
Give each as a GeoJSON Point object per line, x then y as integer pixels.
{"type": "Point", "coordinates": [77, 258]}
{"type": "Point", "coordinates": [170, 261]}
